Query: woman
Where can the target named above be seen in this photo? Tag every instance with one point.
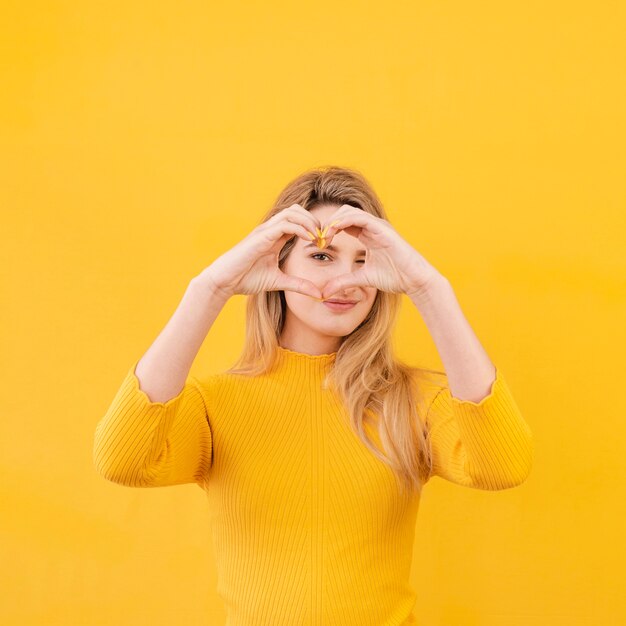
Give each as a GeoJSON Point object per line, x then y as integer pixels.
{"type": "Point", "coordinates": [313, 448]}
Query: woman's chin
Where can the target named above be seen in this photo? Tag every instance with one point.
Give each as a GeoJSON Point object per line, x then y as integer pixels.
{"type": "Point", "coordinates": [338, 328]}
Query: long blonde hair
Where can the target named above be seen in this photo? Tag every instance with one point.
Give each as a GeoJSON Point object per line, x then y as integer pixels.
{"type": "Point", "coordinates": [365, 374]}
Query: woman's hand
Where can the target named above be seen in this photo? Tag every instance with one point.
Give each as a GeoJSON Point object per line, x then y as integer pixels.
{"type": "Point", "coordinates": [391, 263]}
{"type": "Point", "coordinates": [252, 265]}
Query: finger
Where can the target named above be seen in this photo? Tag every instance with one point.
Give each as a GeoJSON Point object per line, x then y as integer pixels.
{"type": "Point", "coordinates": [345, 281]}
{"type": "Point", "coordinates": [300, 215]}
{"type": "Point", "coordinates": [310, 217]}
{"type": "Point", "coordinates": [291, 228]}
{"type": "Point", "coordinates": [299, 285]}
{"type": "Point", "coordinates": [325, 235]}
{"type": "Point", "coordinates": [342, 211]}
{"type": "Point", "coordinates": [292, 213]}
{"type": "Point", "coordinates": [309, 227]}
{"type": "Point", "coordinates": [357, 218]}
{"type": "Point", "coordinates": [340, 214]}
{"type": "Point", "coordinates": [321, 232]}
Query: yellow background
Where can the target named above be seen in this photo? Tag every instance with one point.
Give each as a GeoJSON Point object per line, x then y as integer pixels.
{"type": "Point", "coordinates": [140, 140]}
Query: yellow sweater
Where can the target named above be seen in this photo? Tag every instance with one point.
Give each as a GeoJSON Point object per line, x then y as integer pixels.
{"type": "Point", "coordinates": [309, 527]}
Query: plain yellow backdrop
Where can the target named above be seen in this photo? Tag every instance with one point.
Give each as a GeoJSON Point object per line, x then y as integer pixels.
{"type": "Point", "coordinates": [140, 140]}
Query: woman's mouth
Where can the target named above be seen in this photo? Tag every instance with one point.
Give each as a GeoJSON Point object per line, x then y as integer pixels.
{"type": "Point", "coordinates": [339, 306]}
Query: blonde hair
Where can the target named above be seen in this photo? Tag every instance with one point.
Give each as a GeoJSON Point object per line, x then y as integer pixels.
{"type": "Point", "coordinates": [365, 373]}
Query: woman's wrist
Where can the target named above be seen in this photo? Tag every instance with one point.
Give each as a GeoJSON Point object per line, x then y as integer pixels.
{"type": "Point", "coordinates": [206, 283]}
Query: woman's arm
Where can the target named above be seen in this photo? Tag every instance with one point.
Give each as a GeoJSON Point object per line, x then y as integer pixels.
{"type": "Point", "coordinates": [469, 369]}
{"type": "Point", "coordinates": [156, 432]}
{"type": "Point", "coordinates": [484, 445]}
{"type": "Point", "coordinates": [478, 435]}
{"type": "Point", "coordinates": [164, 368]}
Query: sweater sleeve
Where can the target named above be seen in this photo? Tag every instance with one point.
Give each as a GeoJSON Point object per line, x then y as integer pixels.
{"type": "Point", "coordinates": [140, 443]}
{"type": "Point", "coordinates": [483, 445]}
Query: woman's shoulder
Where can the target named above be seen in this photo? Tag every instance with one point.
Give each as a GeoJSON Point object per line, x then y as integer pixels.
{"type": "Point", "coordinates": [213, 381]}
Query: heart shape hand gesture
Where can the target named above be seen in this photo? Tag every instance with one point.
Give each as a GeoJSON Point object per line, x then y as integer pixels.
{"type": "Point", "coordinates": [251, 266]}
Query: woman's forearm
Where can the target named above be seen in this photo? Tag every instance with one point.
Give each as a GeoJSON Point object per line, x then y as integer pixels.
{"type": "Point", "coordinates": [164, 368]}
{"type": "Point", "coordinates": [469, 369]}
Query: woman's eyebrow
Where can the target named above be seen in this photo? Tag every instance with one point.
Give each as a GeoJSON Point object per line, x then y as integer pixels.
{"type": "Point", "coordinates": [329, 247]}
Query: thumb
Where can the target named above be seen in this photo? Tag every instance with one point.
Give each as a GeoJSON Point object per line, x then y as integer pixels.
{"type": "Point", "coordinates": [299, 285]}
{"type": "Point", "coordinates": [340, 283]}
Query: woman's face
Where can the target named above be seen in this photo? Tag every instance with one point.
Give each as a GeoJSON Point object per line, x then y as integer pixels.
{"type": "Point", "coordinates": [311, 326]}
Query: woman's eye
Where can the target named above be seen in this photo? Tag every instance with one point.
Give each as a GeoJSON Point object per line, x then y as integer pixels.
{"type": "Point", "coordinates": [318, 254]}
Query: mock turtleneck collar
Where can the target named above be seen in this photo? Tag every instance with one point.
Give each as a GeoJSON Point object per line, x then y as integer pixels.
{"type": "Point", "coordinates": [320, 357]}
{"type": "Point", "coordinates": [308, 365]}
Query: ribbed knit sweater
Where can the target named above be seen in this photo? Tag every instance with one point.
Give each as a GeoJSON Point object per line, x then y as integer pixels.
{"type": "Point", "coordinates": [309, 527]}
